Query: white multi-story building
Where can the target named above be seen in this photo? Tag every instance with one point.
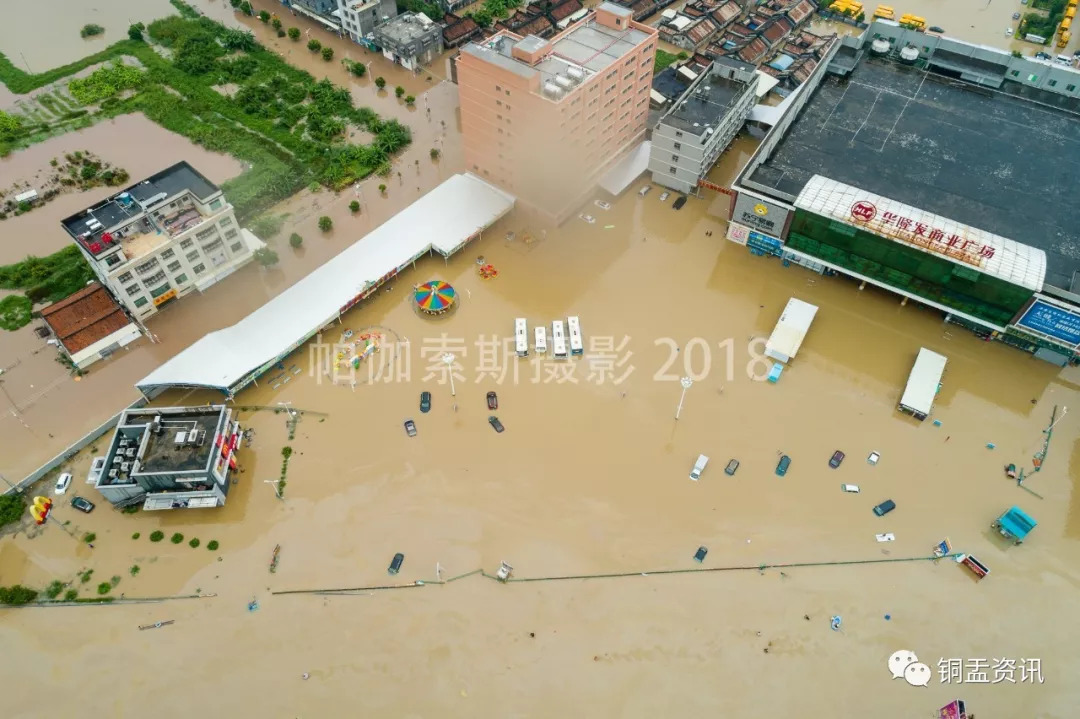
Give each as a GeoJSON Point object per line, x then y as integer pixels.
{"type": "Point", "coordinates": [701, 123]}
{"type": "Point", "coordinates": [359, 17]}
{"type": "Point", "coordinates": [161, 238]}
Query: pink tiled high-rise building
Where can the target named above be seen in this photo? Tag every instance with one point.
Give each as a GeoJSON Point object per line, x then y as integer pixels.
{"type": "Point", "coordinates": [545, 118]}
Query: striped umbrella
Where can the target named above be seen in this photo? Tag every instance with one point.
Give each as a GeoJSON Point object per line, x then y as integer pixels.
{"type": "Point", "coordinates": [435, 296]}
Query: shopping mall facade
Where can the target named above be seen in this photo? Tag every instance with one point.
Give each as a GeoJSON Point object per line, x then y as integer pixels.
{"type": "Point", "coordinates": [864, 178]}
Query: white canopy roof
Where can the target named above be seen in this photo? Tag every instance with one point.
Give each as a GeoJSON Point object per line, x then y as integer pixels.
{"type": "Point", "coordinates": [441, 220]}
{"type": "Point", "coordinates": [790, 331]}
{"type": "Point", "coordinates": [627, 169]}
{"type": "Point", "coordinates": [965, 245]}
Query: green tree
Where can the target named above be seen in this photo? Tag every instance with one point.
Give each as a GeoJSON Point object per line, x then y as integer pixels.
{"type": "Point", "coordinates": [354, 206]}
{"type": "Point", "coordinates": [264, 16]}
{"type": "Point", "coordinates": [382, 189]}
{"type": "Point", "coordinates": [212, 545]}
{"type": "Point", "coordinates": [275, 23]}
{"type": "Point", "coordinates": [410, 100]}
{"type": "Point", "coordinates": [325, 223]}
{"type": "Point", "coordinates": [197, 54]}
{"type": "Point", "coordinates": [90, 30]}
{"type": "Point", "coordinates": [157, 535]}
{"type": "Point", "coordinates": [314, 45]}
{"type": "Point", "coordinates": [15, 312]}
{"type": "Point", "coordinates": [295, 241]}
{"type": "Point", "coordinates": [194, 543]}
{"type": "Point", "coordinates": [434, 153]}
{"type": "Point", "coordinates": [10, 125]}
{"type": "Point", "coordinates": [482, 17]}
{"type": "Point", "coordinates": [71, 595]}
{"type": "Point", "coordinates": [135, 31]}
{"type": "Point", "coordinates": [176, 538]}
{"type": "Point", "coordinates": [380, 82]}
{"type": "Point", "coordinates": [17, 594]}
{"type": "Point", "coordinates": [104, 588]}
{"type": "Point", "coordinates": [265, 257]}
{"type": "Point", "coordinates": [357, 68]}
{"type": "Point", "coordinates": [399, 91]}
{"type": "Point", "coordinates": [294, 33]}
{"type": "Point", "coordinates": [54, 589]}
{"type": "Point", "coordinates": [245, 7]}
{"type": "Point", "coordinates": [328, 54]}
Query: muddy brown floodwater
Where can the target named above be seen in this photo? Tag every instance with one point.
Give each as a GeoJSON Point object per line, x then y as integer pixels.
{"type": "Point", "coordinates": [590, 476]}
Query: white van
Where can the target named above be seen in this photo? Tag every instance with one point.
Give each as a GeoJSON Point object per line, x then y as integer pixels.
{"type": "Point", "coordinates": [573, 327]}
{"type": "Point", "coordinates": [541, 340]}
{"type": "Point", "coordinates": [699, 467]}
{"type": "Point", "coordinates": [558, 339]}
{"type": "Point", "coordinates": [521, 337]}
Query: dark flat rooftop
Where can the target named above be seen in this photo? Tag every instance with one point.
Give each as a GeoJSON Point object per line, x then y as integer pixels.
{"type": "Point", "coordinates": [718, 94]}
{"type": "Point", "coordinates": [989, 160]}
{"type": "Point", "coordinates": [164, 455]}
{"type": "Point", "coordinates": [668, 83]}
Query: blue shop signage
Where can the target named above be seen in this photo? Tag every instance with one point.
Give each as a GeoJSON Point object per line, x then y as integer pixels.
{"type": "Point", "coordinates": [1052, 321]}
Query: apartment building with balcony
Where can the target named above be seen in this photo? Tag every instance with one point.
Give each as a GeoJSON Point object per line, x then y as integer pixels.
{"type": "Point", "coordinates": [360, 17]}
{"type": "Point", "coordinates": [544, 118]}
{"type": "Point", "coordinates": [161, 238]}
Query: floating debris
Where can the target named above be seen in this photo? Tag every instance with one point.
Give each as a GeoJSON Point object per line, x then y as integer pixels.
{"type": "Point", "coordinates": [157, 625]}
{"type": "Point", "coordinates": [274, 558]}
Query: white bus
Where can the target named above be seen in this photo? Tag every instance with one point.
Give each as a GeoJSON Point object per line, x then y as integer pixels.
{"type": "Point", "coordinates": [521, 337]}
{"type": "Point", "coordinates": [558, 339]}
{"type": "Point", "coordinates": [573, 327]}
{"type": "Point", "coordinates": [541, 340]}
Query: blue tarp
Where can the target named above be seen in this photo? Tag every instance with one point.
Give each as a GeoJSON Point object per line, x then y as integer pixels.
{"type": "Point", "coordinates": [782, 62]}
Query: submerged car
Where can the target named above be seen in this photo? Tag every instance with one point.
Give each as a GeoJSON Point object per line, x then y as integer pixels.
{"type": "Point", "coordinates": [410, 428]}
{"type": "Point", "coordinates": [63, 483]}
{"type": "Point", "coordinates": [588, 218]}
{"type": "Point", "coordinates": [679, 202]}
{"type": "Point", "coordinates": [731, 467]}
{"type": "Point", "coordinates": [644, 190]}
{"type": "Point", "coordinates": [425, 401]}
{"type": "Point", "coordinates": [603, 205]}
{"type": "Point", "coordinates": [836, 458]}
{"type": "Point", "coordinates": [782, 465]}
{"type": "Point", "coordinates": [664, 195]}
{"type": "Point", "coordinates": [83, 505]}
{"type": "Point", "coordinates": [494, 422]}
{"type": "Point", "coordinates": [492, 400]}
{"type": "Point", "coordinates": [884, 508]}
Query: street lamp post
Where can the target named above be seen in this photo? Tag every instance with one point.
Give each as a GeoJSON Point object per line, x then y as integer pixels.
{"type": "Point", "coordinates": [686, 382]}
{"type": "Point", "coordinates": [448, 359]}
{"type": "Point", "coordinates": [290, 410]}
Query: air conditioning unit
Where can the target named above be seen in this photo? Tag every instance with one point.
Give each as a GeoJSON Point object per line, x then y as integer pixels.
{"type": "Point", "coordinates": [181, 438]}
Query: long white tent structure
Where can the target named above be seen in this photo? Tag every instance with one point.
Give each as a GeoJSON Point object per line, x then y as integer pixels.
{"type": "Point", "coordinates": [444, 221]}
{"type": "Point", "coordinates": [923, 383]}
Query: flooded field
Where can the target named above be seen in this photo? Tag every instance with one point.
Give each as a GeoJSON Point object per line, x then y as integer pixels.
{"type": "Point", "coordinates": [590, 477]}
{"type": "Point", "coordinates": [40, 36]}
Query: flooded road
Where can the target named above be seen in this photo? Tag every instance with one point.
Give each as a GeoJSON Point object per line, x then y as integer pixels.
{"type": "Point", "coordinates": [590, 476]}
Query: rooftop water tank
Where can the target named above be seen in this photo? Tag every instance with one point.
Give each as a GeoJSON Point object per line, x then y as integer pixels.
{"type": "Point", "coordinates": [563, 82]}
{"type": "Point", "coordinates": [576, 74]}
{"type": "Point", "coordinates": [551, 89]}
{"type": "Point", "coordinates": [880, 46]}
{"type": "Point", "coordinates": [909, 54]}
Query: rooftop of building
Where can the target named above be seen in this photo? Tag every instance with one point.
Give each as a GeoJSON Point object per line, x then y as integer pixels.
{"type": "Point", "coordinates": [705, 103]}
{"type": "Point", "coordinates": [586, 44]}
{"type": "Point", "coordinates": [81, 319]}
{"type": "Point", "coordinates": [407, 27]}
{"type": "Point", "coordinates": [162, 452]}
{"type": "Point", "coordinates": [89, 225]}
{"type": "Point", "coordinates": [986, 159]}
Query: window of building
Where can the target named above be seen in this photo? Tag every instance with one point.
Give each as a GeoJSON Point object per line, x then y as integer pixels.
{"type": "Point", "coordinates": [236, 246]}
{"type": "Point", "coordinates": [674, 158]}
{"type": "Point", "coordinates": [498, 88]}
{"type": "Point", "coordinates": [499, 103]}
{"type": "Point", "coordinates": [213, 245]}
{"type": "Point", "coordinates": [671, 170]}
{"type": "Point", "coordinates": [1070, 88]}
{"type": "Point", "coordinates": [678, 133]}
{"type": "Point", "coordinates": [184, 244]}
{"type": "Point", "coordinates": [230, 234]}
{"type": "Point", "coordinates": [508, 93]}
{"type": "Point", "coordinates": [146, 266]}
{"type": "Point", "coordinates": [678, 145]}
{"type": "Point", "coordinates": [167, 254]}
{"type": "Point", "coordinates": [193, 255]}
{"type": "Point", "coordinates": [181, 279]}
{"type": "Point", "coordinates": [627, 63]}
{"type": "Point", "coordinates": [112, 260]}
{"type": "Point", "coordinates": [158, 292]}
{"type": "Point", "coordinates": [174, 266]}
{"type": "Point", "coordinates": [126, 277]}
{"type": "Point", "coordinates": [140, 302]}
{"type": "Point", "coordinates": [157, 277]}
{"type": "Point", "coordinates": [1052, 83]}
{"type": "Point", "coordinates": [199, 269]}
{"type": "Point", "coordinates": [1015, 73]}
{"type": "Point", "coordinates": [206, 233]}
{"type": "Point", "coordinates": [1033, 78]}
{"type": "Point", "coordinates": [225, 222]}
{"type": "Point", "coordinates": [216, 204]}
{"type": "Point", "coordinates": [133, 290]}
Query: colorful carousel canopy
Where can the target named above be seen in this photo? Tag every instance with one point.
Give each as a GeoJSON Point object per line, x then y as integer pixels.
{"type": "Point", "coordinates": [435, 296]}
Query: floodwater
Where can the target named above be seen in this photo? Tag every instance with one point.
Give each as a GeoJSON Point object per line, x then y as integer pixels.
{"type": "Point", "coordinates": [590, 476]}
{"type": "Point", "coordinates": [40, 36]}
